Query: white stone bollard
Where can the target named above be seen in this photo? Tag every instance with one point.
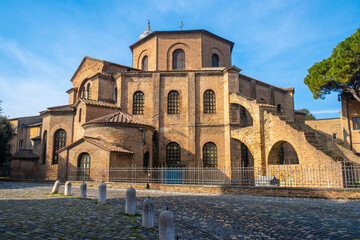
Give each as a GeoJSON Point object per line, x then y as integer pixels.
{"type": "Point", "coordinates": [130, 202]}
{"type": "Point", "coordinates": [83, 189]}
{"type": "Point", "coordinates": [56, 187]}
{"type": "Point", "coordinates": [148, 213]}
{"type": "Point", "coordinates": [166, 225]}
{"type": "Point", "coordinates": [102, 193]}
{"type": "Point", "coordinates": [67, 188]}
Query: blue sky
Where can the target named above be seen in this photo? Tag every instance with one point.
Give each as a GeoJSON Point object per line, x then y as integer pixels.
{"type": "Point", "coordinates": [276, 41]}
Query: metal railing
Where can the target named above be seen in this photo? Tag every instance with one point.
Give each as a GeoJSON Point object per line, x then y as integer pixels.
{"type": "Point", "coordinates": [318, 176]}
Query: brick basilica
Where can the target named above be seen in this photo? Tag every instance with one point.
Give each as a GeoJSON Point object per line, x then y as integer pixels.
{"type": "Point", "coordinates": [181, 104]}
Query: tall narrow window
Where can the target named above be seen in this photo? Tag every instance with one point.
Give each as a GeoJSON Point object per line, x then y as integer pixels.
{"type": "Point", "coordinates": [59, 142]}
{"type": "Point", "coordinates": [146, 160]}
{"type": "Point", "coordinates": [279, 109]}
{"type": "Point", "coordinates": [173, 154]}
{"type": "Point", "coordinates": [173, 102]}
{"type": "Point", "coordinates": [80, 115]}
{"type": "Point", "coordinates": [145, 63]}
{"type": "Point", "coordinates": [356, 123]}
{"type": "Point", "coordinates": [84, 167]}
{"type": "Point", "coordinates": [178, 59]}
{"type": "Point", "coordinates": [115, 94]}
{"type": "Point", "coordinates": [44, 145]}
{"type": "Point", "coordinates": [209, 101]}
{"type": "Point", "coordinates": [215, 60]}
{"type": "Point", "coordinates": [88, 91]}
{"type": "Point", "coordinates": [138, 103]}
{"type": "Point", "coordinates": [210, 155]}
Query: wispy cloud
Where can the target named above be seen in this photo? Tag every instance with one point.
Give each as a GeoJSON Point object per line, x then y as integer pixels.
{"type": "Point", "coordinates": [326, 111]}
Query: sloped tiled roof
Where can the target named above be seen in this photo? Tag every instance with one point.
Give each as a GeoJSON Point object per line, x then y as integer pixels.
{"type": "Point", "coordinates": [61, 108]}
{"type": "Point", "coordinates": [99, 103]}
{"type": "Point", "coordinates": [100, 143]}
{"type": "Point", "coordinates": [25, 154]}
{"type": "Point", "coordinates": [119, 117]}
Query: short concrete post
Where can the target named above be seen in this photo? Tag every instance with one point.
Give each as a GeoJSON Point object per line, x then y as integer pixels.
{"type": "Point", "coordinates": [102, 193]}
{"type": "Point", "coordinates": [130, 202]}
{"type": "Point", "coordinates": [148, 213]}
{"type": "Point", "coordinates": [56, 187]}
{"type": "Point", "coordinates": [166, 225]}
{"type": "Point", "coordinates": [83, 189]}
{"type": "Point", "coordinates": [67, 188]}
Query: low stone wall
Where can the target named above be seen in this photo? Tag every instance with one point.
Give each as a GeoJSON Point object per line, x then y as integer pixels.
{"type": "Point", "coordinates": [327, 193]}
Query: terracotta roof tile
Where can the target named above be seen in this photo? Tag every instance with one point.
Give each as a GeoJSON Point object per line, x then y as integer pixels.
{"type": "Point", "coordinates": [25, 154]}
{"type": "Point", "coordinates": [99, 103]}
{"type": "Point", "coordinates": [119, 117]}
{"type": "Point", "coordinates": [64, 108]}
{"type": "Point", "coordinates": [100, 143]}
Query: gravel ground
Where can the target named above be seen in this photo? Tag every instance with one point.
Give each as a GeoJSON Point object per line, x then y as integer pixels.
{"type": "Point", "coordinates": [28, 211]}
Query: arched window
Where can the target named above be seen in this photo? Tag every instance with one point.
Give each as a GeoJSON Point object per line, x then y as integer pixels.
{"type": "Point", "coordinates": [178, 59]}
{"type": "Point", "coordinates": [215, 60]}
{"type": "Point", "coordinates": [145, 63]}
{"type": "Point", "coordinates": [84, 167]}
{"type": "Point", "coordinates": [44, 147]}
{"type": "Point", "coordinates": [80, 115]}
{"type": "Point", "coordinates": [173, 154]}
{"type": "Point", "coordinates": [59, 142]}
{"type": "Point", "coordinates": [138, 103]}
{"type": "Point", "coordinates": [210, 155]}
{"type": "Point", "coordinates": [88, 91]}
{"type": "Point", "coordinates": [173, 102]}
{"type": "Point", "coordinates": [209, 101]}
{"type": "Point", "coordinates": [115, 94]}
{"type": "Point", "coordinates": [279, 109]}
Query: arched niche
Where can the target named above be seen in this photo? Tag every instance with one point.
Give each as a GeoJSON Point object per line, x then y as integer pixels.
{"type": "Point", "coordinates": [283, 153]}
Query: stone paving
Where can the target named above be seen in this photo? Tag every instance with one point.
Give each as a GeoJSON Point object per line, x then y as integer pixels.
{"type": "Point", "coordinates": [28, 211]}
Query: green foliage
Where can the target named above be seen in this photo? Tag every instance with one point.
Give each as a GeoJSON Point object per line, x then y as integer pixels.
{"type": "Point", "coordinates": [6, 134]}
{"type": "Point", "coordinates": [340, 72]}
{"type": "Point", "coordinates": [308, 115]}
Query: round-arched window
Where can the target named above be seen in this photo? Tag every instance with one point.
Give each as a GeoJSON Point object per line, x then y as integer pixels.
{"type": "Point", "coordinates": [178, 58]}
{"type": "Point", "coordinates": [145, 63]}
{"type": "Point", "coordinates": [215, 60]}
{"type": "Point", "coordinates": [84, 167]}
{"type": "Point", "coordinates": [59, 142]}
{"type": "Point", "coordinates": [210, 155]}
{"type": "Point", "coordinates": [173, 154]}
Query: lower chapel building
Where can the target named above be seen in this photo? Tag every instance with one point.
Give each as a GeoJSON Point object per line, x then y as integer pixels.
{"type": "Point", "coordinates": [181, 104]}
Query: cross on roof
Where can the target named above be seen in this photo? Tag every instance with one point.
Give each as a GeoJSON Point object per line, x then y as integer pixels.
{"type": "Point", "coordinates": [181, 25]}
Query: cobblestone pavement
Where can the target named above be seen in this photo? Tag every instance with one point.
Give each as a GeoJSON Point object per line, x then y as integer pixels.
{"type": "Point", "coordinates": [28, 211]}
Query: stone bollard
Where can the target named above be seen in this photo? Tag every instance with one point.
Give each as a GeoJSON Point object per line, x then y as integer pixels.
{"type": "Point", "coordinates": [148, 213]}
{"type": "Point", "coordinates": [166, 225]}
{"type": "Point", "coordinates": [83, 189]}
{"type": "Point", "coordinates": [130, 202]}
{"type": "Point", "coordinates": [102, 193]}
{"type": "Point", "coordinates": [56, 187]}
{"type": "Point", "coordinates": [67, 188]}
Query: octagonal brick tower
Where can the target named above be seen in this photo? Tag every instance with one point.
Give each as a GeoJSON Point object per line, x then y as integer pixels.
{"type": "Point", "coordinates": [154, 50]}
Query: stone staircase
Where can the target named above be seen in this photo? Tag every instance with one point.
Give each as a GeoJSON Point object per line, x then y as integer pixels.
{"type": "Point", "coordinates": [321, 142]}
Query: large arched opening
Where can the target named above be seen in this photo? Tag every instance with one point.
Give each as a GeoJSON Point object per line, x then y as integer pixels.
{"type": "Point", "coordinates": [283, 153]}
{"type": "Point", "coordinates": [240, 116]}
{"type": "Point", "coordinates": [242, 163]}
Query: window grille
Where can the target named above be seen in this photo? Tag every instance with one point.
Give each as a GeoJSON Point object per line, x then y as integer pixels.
{"type": "Point", "coordinates": [173, 154]}
{"type": "Point", "coordinates": [210, 155]}
{"type": "Point", "coordinates": [138, 103]}
{"type": "Point", "coordinates": [209, 101]}
{"type": "Point", "coordinates": [178, 59]}
{"type": "Point", "coordinates": [84, 167]}
{"type": "Point", "coordinates": [59, 142]}
{"type": "Point", "coordinates": [173, 102]}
